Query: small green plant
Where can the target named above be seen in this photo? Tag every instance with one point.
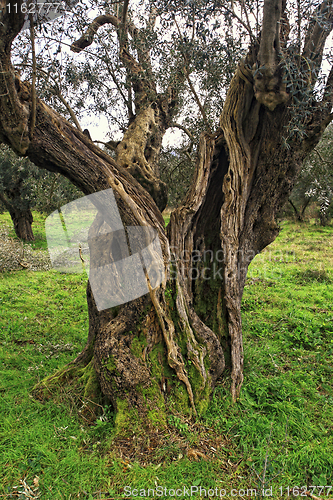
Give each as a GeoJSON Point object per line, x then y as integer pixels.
{"type": "Point", "coordinates": [178, 424]}
{"type": "Point", "coordinates": [104, 423]}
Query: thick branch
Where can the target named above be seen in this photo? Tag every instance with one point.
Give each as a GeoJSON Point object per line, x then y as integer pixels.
{"type": "Point", "coordinates": [88, 37]}
{"type": "Point", "coordinates": [269, 87]}
{"type": "Point", "coordinates": [270, 35]}
{"type": "Point", "coordinates": [319, 29]}
{"type": "Point", "coordinates": [59, 147]}
{"type": "Point", "coordinates": [124, 13]}
{"type": "Point", "coordinates": [11, 23]}
{"type": "Point", "coordinates": [316, 129]}
{"type": "Point", "coordinates": [14, 107]}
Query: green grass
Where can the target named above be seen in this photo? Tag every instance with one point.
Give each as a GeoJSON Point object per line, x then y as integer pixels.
{"type": "Point", "coordinates": [284, 414]}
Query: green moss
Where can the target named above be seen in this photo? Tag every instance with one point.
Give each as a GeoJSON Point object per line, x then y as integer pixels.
{"type": "Point", "coordinates": [201, 390]}
{"type": "Point", "coordinates": [155, 405]}
{"type": "Point", "coordinates": [127, 419]}
{"type": "Point", "coordinates": [54, 383]}
{"type": "Point", "coordinates": [208, 302]}
{"type": "Point", "coordinates": [137, 346]}
{"type": "Point", "coordinates": [179, 399]}
{"type": "Point", "coordinates": [158, 369]}
{"type": "Point", "coordinates": [111, 366]}
{"type": "Point", "coordinates": [91, 384]}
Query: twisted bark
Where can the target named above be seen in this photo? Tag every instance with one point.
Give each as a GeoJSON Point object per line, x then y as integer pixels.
{"type": "Point", "coordinates": [172, 344]}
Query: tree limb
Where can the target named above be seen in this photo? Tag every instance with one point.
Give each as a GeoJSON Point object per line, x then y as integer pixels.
{"type": "Point", "coordinates": [318, 30]}
{"type": "Point", "coordinates": [270, 36]}
{"type": "Point", "coordinates": [88, 37]}
{"type": "Point", "coordinates": [17, 110]}
{"type": "Point", "coordinates": [124, 13]}
{"type": "Point", "coordinates": [111, 145]}
{"type": "Point", "coordinates": [69, 109]}
{"type": "Point", "coordinates": [56, 92]}
{"type": "Point", "coordinates": [184, 129]}
{"type": "Point", "coordinates": [142, 85]}
{"type": "Point", "coordinates": [269, 85]}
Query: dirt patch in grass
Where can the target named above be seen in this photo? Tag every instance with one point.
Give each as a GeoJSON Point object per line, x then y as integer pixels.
{"type": "Point", "coordinates": [16, 255]}
{"type": "Point", "coordinates": [314, 275]}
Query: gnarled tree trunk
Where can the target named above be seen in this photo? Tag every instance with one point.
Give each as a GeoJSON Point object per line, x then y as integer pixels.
{"type": "Point", "coordinates": [20, 214]}
{"type": "Point", "coordinates": [171, 345]}
{"type": "Point", "coordinates": [22, 220]}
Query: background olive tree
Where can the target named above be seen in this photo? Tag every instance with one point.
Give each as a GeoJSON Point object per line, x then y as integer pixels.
{"type": "Point", "coordinates": [24, 187]}
{"type": "Point", "coordinates": [315, 183]}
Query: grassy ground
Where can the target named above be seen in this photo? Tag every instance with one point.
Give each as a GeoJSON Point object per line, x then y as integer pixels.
{"type": "Point", "coordinates": [279, 434]}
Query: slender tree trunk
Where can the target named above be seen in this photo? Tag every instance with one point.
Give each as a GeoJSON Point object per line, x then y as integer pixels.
{"type": "Point", "coordinates": [299, 216]}
{"type": "Point", "coordinates": [306, 203]}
